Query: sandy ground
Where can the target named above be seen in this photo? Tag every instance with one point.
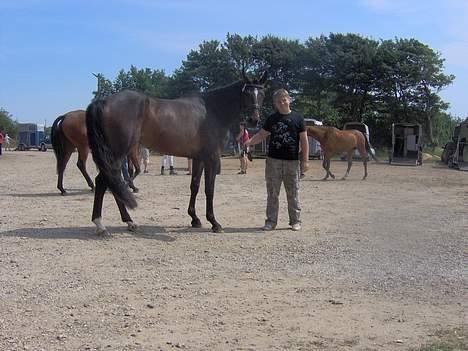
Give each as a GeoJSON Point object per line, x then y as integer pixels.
{"type": "Point", "coordinates": [379, 264]}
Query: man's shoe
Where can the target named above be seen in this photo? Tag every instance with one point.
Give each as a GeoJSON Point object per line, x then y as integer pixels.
{"type": "Point", "coordinates": [296, 227]}
{"type": "Point", "coordinates": [268, 227]}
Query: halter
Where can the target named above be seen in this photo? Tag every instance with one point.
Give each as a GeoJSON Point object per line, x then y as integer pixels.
{"type": "Point", "coordinates": [253, 107]}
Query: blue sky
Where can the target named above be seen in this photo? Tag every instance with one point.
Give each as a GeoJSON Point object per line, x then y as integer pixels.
{"type": "Point", "coordinates": [50, 48]}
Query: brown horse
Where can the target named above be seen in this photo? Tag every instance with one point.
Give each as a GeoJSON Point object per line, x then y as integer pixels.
{"type": "Point", "coordinates": [68, 134]}
{"type": "Point", "coordinates": [334, 141]}
{"type": "Point", "coordinates": [193, 127]}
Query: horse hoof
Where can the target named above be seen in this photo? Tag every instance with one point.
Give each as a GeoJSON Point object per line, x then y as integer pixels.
{"type": "Point", "coordinates": [63, 193]}
{"type": "Point", "coordinates": [102, 233]}
{"type": "Point", "coordinates": [132, 227]}
{"type": "Point", "coordinates": [196, 223]}
{"type": "Point", "coordinates": [217, 229]}
{"type": "Point", "coordinates": [135, 190]}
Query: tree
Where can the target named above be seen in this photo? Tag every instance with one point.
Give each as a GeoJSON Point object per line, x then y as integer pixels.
{"type": "Point", "coordinates": [7, 124]}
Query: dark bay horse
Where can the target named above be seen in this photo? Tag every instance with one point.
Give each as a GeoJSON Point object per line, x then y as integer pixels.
{"type": "Point", "coordinates": [68, 133]}
{"type": "Point", "coordinates": [192, 127]}
{"type": "Point", "coordinates": [334, 141]}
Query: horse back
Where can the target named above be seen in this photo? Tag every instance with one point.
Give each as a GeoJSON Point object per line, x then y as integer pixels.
{"type": "Point", "coordinates": [176, 127]}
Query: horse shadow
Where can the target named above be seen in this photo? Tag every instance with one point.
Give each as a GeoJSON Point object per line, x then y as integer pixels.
{"type": "Point", "coordinates": [70, 192]}
{"type": "Point", "coordinates": [88, 233]}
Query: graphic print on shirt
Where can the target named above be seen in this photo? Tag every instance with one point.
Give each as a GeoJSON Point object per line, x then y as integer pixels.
{"type": "Point", "coordinates": [281, 135]}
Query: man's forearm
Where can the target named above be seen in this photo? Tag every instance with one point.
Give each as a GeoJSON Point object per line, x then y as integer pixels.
{"type": "Point", "coordinates": [257, 138]}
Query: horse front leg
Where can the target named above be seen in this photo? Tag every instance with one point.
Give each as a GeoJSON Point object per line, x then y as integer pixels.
{"type": "Point", "coordinates": [211, 168]}
{"type": "Point", "coordinates": [134, 168]}
{"type": "Point", "coordinates": [197, 169]}
{"type": "Point", "coordinates": [326, 166]}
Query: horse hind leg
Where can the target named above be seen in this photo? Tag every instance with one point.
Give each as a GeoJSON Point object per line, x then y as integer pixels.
{"type": "Point", "coordinates": [101, 188]}
{"type": "Point", "coordinates": [132, 227]}
{"type": "Point", "coordinates": [81, 164]}
{"type": "Point", "coordinates": [363, 153]}
{"type": "Point", "coordinates": [364, 161]}
{"type": "Point", "coordinates": [61, 165]}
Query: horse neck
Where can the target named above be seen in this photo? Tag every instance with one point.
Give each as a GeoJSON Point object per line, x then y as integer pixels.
{"type": "Point", "coordinates": [317, 132]}
{"type": "Point", "coordinates": [223, 104]}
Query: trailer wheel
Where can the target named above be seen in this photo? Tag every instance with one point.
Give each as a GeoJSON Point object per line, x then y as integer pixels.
{"type": "Point", "coordinates": [43, 147]}
{"type": "Point", "coordinates": [450, 163]}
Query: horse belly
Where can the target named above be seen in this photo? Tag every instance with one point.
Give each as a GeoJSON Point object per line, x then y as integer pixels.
{"type": "Point", "coordinates": [171, 139]}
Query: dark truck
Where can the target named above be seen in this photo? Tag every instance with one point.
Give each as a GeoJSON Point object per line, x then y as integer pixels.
{"type": "Point", "coordinates": [32, 136]}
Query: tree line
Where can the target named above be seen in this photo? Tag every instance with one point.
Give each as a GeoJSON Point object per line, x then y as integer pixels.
{"type": "Point", "coordinates": [336, 78]}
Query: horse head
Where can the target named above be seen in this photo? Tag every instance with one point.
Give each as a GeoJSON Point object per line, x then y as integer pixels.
{"type": "Point", "coordinates": [252, 96]}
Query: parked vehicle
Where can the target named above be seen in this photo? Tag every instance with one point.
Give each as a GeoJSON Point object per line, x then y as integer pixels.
{"type": "Point", "coordinates": [32, 136]}
{"type": "Point", "coordinates": [456, 151]}
{"type": "Point", "coordinates": [364, 129]}
{"type": "Point", "coordinates": [406, 144]}
{"type": "Point", "coordinates": [315, 151]}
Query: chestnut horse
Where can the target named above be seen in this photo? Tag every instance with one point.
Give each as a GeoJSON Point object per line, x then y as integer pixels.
{"type": "Point", "coordinates": [68, 133]}
{"type": "Point", "coordinates": [334, 141]}
{"type": "Point", "coordinates": [192, 127]}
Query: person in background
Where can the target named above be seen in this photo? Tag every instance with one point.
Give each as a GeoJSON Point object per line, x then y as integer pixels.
{"type": "Point", "coordinates": [1, 140]}
{"type": "Point", "coordinates": [144, 154]}
{"type": "Point", "coordinates": [168, 159]}
{"type": "Point", "coordinates": [189, 166]}
{"type": "Point", "coordinates": [7, 142]}
{"type": "Point", "coordinates": [241, 139]}
{"type": "Point", "coordinates": [287, 136]}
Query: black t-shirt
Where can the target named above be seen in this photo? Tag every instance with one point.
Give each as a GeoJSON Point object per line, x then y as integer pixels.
{"type": "Point", "coordinates": [284, 135]}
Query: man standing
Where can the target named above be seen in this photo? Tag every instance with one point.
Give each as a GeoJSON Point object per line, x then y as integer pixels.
{"type": "Point", "coordinates": [286, 129]}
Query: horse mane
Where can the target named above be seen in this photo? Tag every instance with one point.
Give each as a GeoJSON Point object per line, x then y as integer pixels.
{"type": "Point", "coordinates": [225, 89]}
{"type": "Point", "coordinates": [223, 103]}
{"type": "Point", "coordinates": [318, 132]}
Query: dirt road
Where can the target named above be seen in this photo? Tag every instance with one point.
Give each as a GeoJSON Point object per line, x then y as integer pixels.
{"type": "Point", "coordinates": [379, 264]}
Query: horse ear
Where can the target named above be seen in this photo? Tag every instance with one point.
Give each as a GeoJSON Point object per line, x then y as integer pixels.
{"type": "Point", "coordinates": [244, 76]}
{"type": "Point", "coordinates": [263, 78]}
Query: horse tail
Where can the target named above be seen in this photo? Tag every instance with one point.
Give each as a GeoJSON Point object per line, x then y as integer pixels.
{"type": "Point", "coordinates": [58, 140]}
{"type": "Point", "coordinates": [108, 163]}
{"type": "Point", "coordinates": [369, 149]}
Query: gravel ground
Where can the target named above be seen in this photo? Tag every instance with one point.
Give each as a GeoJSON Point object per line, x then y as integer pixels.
{"type": "Point", "coordinates": [379, 264]}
